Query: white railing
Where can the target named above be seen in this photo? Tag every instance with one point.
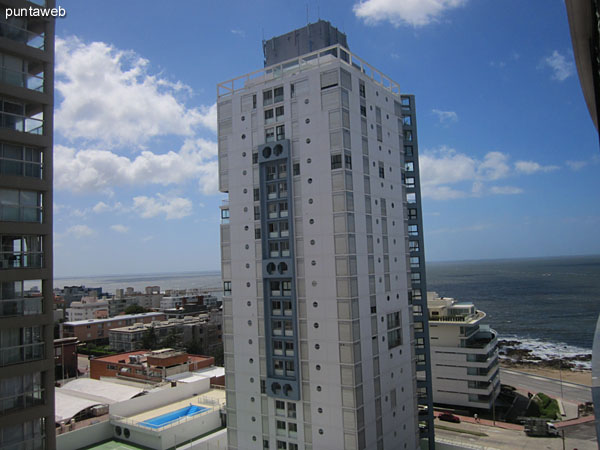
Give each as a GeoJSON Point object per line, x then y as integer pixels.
{"type": "Point", "coordinates": [308, 61]}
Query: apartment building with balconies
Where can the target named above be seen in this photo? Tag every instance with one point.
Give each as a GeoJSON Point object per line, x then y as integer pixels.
{"type": "Point", "coordinates": [26, 322]}
{"type": "Point", "coordinates": [324, 332]}
{"type": "Point", "coordinates": [464, 355]}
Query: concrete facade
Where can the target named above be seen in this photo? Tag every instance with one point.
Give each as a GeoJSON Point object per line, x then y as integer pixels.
{"type": "Point", "coordinates": [26, 323]}
{"type": "Point", "coordinates": [464, 355]}
{"type": "Point", "coordinates": [318, 326]}
{"type": "Point", "coordinates": [87, 308]}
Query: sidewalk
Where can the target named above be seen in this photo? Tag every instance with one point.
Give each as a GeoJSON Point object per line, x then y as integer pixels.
{"type": "Point", "coordinates": [489, 423]}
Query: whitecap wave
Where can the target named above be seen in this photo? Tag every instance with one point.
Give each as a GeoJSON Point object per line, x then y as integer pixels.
{"type": "Point", "coordinates": [548, 350]}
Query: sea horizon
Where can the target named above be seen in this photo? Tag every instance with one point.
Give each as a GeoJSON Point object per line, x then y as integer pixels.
{"type": "Point", "coordinates": [217, 270]}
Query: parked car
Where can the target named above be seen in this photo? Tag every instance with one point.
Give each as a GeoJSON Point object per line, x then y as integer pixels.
{"type": "Point", "coordinates": [447, 417]}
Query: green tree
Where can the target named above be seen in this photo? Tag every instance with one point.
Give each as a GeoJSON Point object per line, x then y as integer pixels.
{"type": "Point", "coordinates": [135, 309]}
{"type": "Point", "coordinates": [149, 339]}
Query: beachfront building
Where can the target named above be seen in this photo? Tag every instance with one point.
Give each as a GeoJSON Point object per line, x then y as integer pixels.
{"type": "Point", "coordinates": [464, 354]}
{"type": "Point", "coordinates": [26, 321]}
{"type": "Point", "coordinates": [87, 308]}
{"type": "Point", "coordinates": [317, 278]}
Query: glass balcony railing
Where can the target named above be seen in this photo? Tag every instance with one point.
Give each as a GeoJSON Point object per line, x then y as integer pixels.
{"type": "Point", "coordinates": [15, 213]}
{"type": "Point", "coordinates": [21, 260]}
{"type": "Point", "coordinates": [24, 124]}
{"type": "Point", "coordinates": [21, 353]}
{"type": "Point", "coordinates": [21, 306]}
{"type": "Point", "coordinates": [22, 79]}
{"type": "Point", "coordinates": [19, 34]}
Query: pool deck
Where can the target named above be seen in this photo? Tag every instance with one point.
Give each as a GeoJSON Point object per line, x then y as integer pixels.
{"type": "Point", "coordinates": [216, 395]}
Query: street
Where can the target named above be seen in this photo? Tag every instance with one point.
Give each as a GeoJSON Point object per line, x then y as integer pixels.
{"type": "Point", "coordinates": [574, 393]}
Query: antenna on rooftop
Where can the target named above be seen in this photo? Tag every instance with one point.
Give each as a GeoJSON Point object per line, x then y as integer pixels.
{"type": "Point", "coordinates": [307, 14]}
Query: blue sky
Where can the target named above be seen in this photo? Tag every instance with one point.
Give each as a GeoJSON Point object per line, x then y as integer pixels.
{"type": "Point", "coordinates": [509, 155]}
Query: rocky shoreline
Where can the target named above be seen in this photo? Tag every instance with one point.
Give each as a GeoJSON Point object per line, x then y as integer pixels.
{"type": "Point", "coordinates": [512, 353]}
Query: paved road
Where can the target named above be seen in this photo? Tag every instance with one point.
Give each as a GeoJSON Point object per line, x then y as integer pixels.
{"type": "Point", "coordinates": [533, 383]}
{"type": "Point", "coordinates": [582, 438]}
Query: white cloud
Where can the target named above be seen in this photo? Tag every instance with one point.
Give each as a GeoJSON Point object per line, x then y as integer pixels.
{"type": "Point", "coordinates": [172, 207]}
{"type": "Point", "coordinates": [80, 231]}
{"type": "Point", "coordinates": [529, 167]}
{"type": "Point", "coordinates": [561, 68]}
{"type": "Point", "coordinates": [577, 165]}
{"type": "Point", "coordinates": [506, 190]}
{"type": "Point", "coordinates": [102, 170]}
{"type": "Point", "coordinates": [447, 174]}
{"type": "Point", "coordinates": [100, 207]}
{"type": "Point", "coordinates": [237, 32]}
{"type": "Point", "coordinates": [119, 228]}
{"type": "Point", "coordinates": [416, 13]}
{"type": "Point", "coordinates": [109, 97]}
{"type": "Point", "coordinates": [445, 117]}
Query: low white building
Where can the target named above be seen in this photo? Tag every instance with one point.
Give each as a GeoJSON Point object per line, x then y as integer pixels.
{"type": "Point", "coordinates": [88, 308]}
{"type": "Point", "coordinates": [464, 354]}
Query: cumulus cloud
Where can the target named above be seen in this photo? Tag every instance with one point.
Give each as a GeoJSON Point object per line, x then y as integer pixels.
{"type": "Point", "coordinates": [529, 167]}
{"type": "Point", "coordinates": [445, 117]}
{"type": "Point", "coordinates": [109, 97]}
{"type": "Point", "coordinates": [119, 228]}
{"type": "Point", "coordinates": [93, 170]}
{"type": "Point", "coordinates": [80, 231]}
{"type": "Point", "coordinates": [560, 66]}
{"type": "Point", "coordinates": [447, 174]}
{"type": "Point", "coordinates": [416, 13]}
{"type": "Point", "coordinates": [171, 206]}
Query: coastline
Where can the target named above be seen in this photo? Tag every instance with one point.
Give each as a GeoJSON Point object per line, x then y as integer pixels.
{"type": "Point", "coordinates": [569, 375]}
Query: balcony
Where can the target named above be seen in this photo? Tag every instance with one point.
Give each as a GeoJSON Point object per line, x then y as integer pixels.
{"type": "Point", "coordinates": [21, 260]}
{"type": "Point", "coordinates": [23, 35]}
{"type": "Point", "coordinates": [485, 337]}
{"type": "Point", "coordinates": [22, 123]}
{"type": "Point", "coordinates": [21, 306]}
{"type": "Point", "coordinates": [22, 79]}
{"type": "Point", "coordinates": [21, 353]}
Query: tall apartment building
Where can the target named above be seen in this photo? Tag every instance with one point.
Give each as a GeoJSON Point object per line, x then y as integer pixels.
{"type": "Point", "coordinates": [26, 322]}
{"type": "Point", "coordinates": [322, 255]}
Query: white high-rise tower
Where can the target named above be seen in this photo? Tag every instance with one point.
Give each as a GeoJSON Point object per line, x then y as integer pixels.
{"type": "Point", "coordinates": [324, 328]}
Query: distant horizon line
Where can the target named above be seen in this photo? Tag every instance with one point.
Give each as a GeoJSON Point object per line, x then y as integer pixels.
{"type": "Point", "coordinates": [218, 271]}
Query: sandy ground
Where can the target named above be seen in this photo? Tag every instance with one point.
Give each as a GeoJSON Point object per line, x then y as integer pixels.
{"type": "Point", "coordinates": [579, 377]}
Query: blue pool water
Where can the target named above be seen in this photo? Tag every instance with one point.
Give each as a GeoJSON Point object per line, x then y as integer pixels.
{"type": "Point", "coordinates": [165, 419]}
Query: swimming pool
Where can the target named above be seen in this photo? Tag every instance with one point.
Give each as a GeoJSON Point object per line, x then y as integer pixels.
{"type": "Point", "coordinates": [165, 419]}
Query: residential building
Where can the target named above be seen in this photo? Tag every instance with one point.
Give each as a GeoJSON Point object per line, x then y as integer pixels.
{"type": "Point", "coordinates": [169, 332]}
{"type": "Point", "coordinates": [464, 354]}
{"type": "Point", "coordinates": [65, 358]}
{"type": "Point", "coordinates": [87, 308]}
{"type": "Point", "coordinates": [319, 281]}
{"type": "Point", "coordinates": [76, 293]}
{"type": "Point", "coordinates": [150, 299]}
{"type": "Point", "coordinates": [26, 321]}
{"type": "Point", "coordinates": [96, 330]}
{"type": "Point", "coordinates": [148, 365]}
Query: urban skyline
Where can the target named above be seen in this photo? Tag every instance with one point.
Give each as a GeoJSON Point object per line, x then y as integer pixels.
{"type": "Point", "coordinates": [500, 118]}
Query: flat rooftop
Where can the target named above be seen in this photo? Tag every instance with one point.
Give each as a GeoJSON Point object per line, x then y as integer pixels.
{"type": "Point", "coordinates": [111, 319]}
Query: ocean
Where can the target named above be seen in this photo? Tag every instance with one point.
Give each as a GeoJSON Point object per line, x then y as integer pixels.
{"type": "Point", "coordinates": [550, 305]}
